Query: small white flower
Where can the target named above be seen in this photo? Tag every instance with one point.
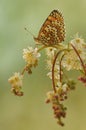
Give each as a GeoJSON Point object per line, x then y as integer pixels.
{"type": "Point", "coordinates": [50, 51]}
{"type": "Point", "coordinates": [71, 61]}
{"type": "Point", "coordinates": [31, 56]}
{"type": "Point", "coordinates": [59, 84]}
{"type": "Point", "coordinates": [80, 45]}
{"type": "Point", "coordinates": [16, 80]}
{"type": "Point", "coordinates": [56, 73]}
{"type": "Point", "coordinates": [65, 87]}
{"type": "Point", "coordinates": [50, 95]}
{"type": "Point", "coordinates": [16, 83]}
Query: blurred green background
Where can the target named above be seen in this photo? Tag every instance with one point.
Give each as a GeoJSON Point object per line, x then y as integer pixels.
{"type": "Point", "coordinates": [30, 111]}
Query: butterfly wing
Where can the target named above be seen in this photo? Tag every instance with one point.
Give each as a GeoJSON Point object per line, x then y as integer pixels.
{"type": "Point", "coordinates": [52, 31]}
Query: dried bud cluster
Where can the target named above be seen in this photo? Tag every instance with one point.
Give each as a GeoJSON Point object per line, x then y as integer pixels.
{"type": "Point", "coordinates": [56, 99]}
{"type": "Point", "coordinates": [16, 82]}
{"type": "Point", "coordinates": [83, 79]}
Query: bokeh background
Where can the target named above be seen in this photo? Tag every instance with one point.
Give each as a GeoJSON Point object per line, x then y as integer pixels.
{"type": "Point", "coordinates": [30, 111]}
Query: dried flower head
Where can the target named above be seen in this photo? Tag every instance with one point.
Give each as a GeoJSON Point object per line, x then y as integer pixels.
{"type": "Point", "coordinates": [16, 83]}
{"type": "Point", "coordinates": [58, 108]}
{"type": "Point", "coordinates": [83, 79]}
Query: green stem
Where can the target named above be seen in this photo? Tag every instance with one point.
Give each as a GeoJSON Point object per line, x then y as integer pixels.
{"type": "Point", "coordinates": [53, 46]}
{"type": "Point", "coordinates": [43, 47]}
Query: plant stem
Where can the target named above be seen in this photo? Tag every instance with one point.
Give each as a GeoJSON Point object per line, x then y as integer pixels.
{"type": "Point", "coordinates": [82, 63]}
{"type": "Point", "coordinates": [22, 73]}
{"type": "Point", "coordinates": [53, 66]}
{"type": "Point", "coordinates": [53, 46]}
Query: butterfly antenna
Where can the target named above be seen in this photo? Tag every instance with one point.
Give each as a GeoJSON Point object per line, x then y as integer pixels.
{"type": "Point", "coordinates": [29, 32]}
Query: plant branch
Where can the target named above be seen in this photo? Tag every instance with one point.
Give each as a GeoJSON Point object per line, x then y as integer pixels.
{"type": "Point", "coordinates": [82, 63]}
{"type": "Point", "coordinates": [53, 66]}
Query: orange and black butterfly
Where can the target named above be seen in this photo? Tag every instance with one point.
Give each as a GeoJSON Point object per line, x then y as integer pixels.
{"type": "Point", "coordinates": [52, 31]}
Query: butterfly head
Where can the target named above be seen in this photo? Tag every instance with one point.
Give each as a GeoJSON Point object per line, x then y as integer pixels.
{"type": "Point", "coordinates": [37, 40]}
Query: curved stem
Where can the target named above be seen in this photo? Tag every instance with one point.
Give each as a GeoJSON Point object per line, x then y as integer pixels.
{"type": "Point", "coordinates": [43, 47]}
{"type": "Point", "coordinates": [54, 61]}
{"type": "Point", "coordinates": [83, 66]}
{"type": "Point", "coordinates": [54, 46]}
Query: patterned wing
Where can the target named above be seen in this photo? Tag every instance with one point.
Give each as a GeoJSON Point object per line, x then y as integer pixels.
{"type": "Point", "coordinates": [52, 31]}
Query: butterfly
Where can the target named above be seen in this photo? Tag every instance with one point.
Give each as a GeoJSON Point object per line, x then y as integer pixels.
{"type": "Point", "coordinates": [52, 31]}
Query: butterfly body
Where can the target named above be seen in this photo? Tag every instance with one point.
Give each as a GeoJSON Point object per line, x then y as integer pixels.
{"type": "Point", "coordinates": [52, 31]}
